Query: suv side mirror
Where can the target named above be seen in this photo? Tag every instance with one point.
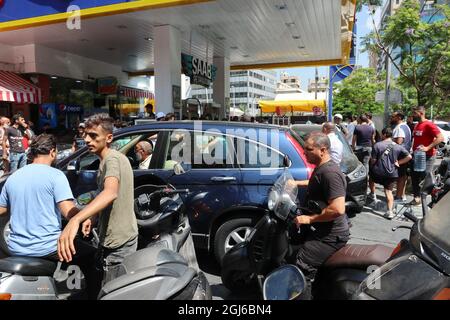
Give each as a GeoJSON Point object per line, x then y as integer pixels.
{"type": "Point", "coordinates": [286, 162]}
{"type": "Point", "coordinates": [74, 165]}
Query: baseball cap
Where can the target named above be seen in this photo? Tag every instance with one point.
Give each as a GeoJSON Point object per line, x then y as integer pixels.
{"type": "Point", "coordinates": [81, 125]}
{"type": "Point", "coordinates": [160, 115]}
{"type": "Point", "coordinates": [338, 115]}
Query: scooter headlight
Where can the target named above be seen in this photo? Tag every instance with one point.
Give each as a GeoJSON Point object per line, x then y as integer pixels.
{"type": "Point", "coordinates": [273, 197]}
{"type": "Point", "coordinates": [283, 206]}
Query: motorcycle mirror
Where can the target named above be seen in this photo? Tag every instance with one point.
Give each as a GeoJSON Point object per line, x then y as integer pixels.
{"type": "Point", "coordinates": [285, 283]}
{"type": "Point", "coordinates": [428, 183]}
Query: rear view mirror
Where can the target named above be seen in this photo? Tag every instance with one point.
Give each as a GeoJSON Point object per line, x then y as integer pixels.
{"type": "Point", "coordinates": [285, 283]}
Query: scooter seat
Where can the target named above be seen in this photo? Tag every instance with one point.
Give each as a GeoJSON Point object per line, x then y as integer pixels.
{"type": "Point", "coordinates": [359, 256]}
{"type": "Point", "coordinates": [28, 266]}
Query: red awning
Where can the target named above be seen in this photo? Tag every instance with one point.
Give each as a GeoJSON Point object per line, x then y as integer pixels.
{"type": "Point", "coordinates": [16, 89]}
{"type": "Point", "coordinates": [136, 93]}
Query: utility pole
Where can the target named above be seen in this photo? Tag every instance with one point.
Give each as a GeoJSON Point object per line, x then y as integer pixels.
{"type": "Point", "coordinates": [317, 81]}
{"type": "Point", "coordinates": [386, 90]}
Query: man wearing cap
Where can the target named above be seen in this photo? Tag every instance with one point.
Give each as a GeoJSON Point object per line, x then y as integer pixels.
{"type": "Point", "coordinates": [338, 123]}
{"type": "Point", "coordinates": [78, 139]}
{"type": "Point", "coordinates": [160, 116]}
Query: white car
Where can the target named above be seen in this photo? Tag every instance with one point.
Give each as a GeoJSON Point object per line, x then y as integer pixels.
{"type": "Point", "coordinates": [444, 147]}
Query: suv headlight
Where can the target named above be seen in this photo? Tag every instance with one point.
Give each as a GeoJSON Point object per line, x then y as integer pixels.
{"type": "Point", "coordinates": [273, 197]}
{"type": "Point", "coordinates": [358, 173]}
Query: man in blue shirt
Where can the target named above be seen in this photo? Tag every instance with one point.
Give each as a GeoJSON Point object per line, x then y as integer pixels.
{"type": "Point", "coordinates": [36, 196]}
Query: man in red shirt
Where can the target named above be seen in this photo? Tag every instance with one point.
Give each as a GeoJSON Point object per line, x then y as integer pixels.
{"type": "Point", "coordinates": [426, 136]}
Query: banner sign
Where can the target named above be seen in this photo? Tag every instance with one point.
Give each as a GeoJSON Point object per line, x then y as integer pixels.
{"type": "Point", "coordinates": [200, 72]}
{"type": "Point", "coordinates": [107, 85]}
{"type": "Point", "coordinates": [22, 9]}
{"type": "Point", "coordinates": [47, 115]}
{"type": "Point", "coordinates": [64, 108]}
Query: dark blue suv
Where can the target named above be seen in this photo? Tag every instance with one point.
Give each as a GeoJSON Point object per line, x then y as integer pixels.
{"type": "Point", "coordinates": [228, 182]}
{"type": "Point", "coordinates": [232, 167]}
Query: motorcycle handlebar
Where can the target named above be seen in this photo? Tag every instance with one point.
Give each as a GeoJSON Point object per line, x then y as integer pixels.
{"type": "Point", "coordinates": [178, 191]}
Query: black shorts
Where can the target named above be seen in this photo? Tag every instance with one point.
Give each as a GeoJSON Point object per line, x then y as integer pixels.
{"type": "Point", "coordinates": [403, 170]}
{"type": "Point", "coordinates": [387, 182]}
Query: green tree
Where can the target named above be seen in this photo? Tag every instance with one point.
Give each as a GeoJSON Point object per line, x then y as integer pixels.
{"type": "Point", "coordinates": [424, 58]}
{"type": "Point", "coordinates": [356, 94]}
{"type": "Point", "coordinates": [361, 3]}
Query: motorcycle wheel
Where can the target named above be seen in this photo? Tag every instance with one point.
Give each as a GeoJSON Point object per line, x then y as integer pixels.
{"type": "Point", "coordinates": [238, 281]}
{"type": "Point", "coordinates": [4, 232]}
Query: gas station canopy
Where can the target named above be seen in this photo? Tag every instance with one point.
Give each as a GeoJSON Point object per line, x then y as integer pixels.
{"type": "Point", "coordinates": [252, 34]}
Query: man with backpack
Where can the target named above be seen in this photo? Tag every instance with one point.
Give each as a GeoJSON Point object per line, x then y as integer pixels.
{"type": "Point", "coordinates": [387, 157]}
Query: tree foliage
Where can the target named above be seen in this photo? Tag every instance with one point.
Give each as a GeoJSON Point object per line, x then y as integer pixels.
{"type": "Point", "coordinates": [424, 58]}
{"type": "Point", "coordinates": [356, 94]}
{"type": "Point", "coordinates": [361, 3]}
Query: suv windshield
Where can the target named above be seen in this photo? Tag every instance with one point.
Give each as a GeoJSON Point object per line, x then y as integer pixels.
{"type": "Point", "coordinates": [443, 126]}
{"type": "Point", "coordinates": [436, 225]}
{"type": "Point", "coordinates": [349, 160]}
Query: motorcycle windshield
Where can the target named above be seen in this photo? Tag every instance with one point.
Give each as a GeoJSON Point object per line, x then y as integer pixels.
{"type": "Point", "coordinates": [285, 185]}
{"type": "Point", "coordinates": [436, 225]}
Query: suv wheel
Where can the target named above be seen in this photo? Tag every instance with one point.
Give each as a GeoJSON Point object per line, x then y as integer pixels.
{"type": "Point", "coordinates": [4, 234]}
{"type": "Point", "coordinates": [231, 233]}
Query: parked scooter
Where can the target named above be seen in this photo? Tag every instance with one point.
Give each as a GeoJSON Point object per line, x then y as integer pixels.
{"type": "Point", "coordinates": [268, 246]}
{"type": "Point", "coordinates": [158, 271]}
{"type": "Point", "coordinates": [416, 269]}
{"type": "Point", "coordinates": [442, 184]}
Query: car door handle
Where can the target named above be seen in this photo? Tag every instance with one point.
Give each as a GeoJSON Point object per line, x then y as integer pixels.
{"type": "Point", "coordinates": [223, 179]}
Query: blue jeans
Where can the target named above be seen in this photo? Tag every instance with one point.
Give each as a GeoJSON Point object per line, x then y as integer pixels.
{"type": "Point", "coordinates": [17, 161]}
{"type": "Point", "coordinates": [364, 155]}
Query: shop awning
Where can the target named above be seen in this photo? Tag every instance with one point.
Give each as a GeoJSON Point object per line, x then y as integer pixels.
{"type": "Point", "coordinates": [136, 93]}
{"type": "Point", "coordinates": [14, 88]}
{"type": "Point", "coordinates": [272, 106]}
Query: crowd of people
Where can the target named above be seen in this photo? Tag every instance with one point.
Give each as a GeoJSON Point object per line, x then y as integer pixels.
{"type": "Point", "coordinates": [15, 139]}
{"type": "Point", "coordinates": [388, 156]}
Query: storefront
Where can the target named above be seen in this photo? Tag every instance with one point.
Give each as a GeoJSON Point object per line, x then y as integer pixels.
{"type": "Point", "coordinates": [133, 103]}
{"type": "Point", "coordinates": [18, 95]}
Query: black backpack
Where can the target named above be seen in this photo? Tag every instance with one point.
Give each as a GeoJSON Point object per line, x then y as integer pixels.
{"type": "Point", "coordinates": [383, 167]}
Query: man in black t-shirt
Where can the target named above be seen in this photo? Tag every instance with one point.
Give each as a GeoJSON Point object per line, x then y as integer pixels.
{"type": "Point", "coordinates": [14, 136]}
{"type": "Point", "coordinates": [322, 234]}
{"type": "Point", "coordinates": [363, 140]}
